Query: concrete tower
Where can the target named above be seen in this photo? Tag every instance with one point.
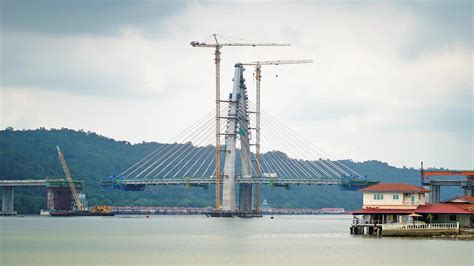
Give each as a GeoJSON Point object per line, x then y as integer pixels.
{"type": "Point", "coordinates": [237, 130]}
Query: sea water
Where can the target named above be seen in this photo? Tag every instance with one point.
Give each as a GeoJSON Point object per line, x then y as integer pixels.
{"type": "Point", "coordinates": [284, 240]}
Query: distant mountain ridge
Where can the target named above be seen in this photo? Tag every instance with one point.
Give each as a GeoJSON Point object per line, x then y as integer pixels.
{"type": "Point", "coordinates": [30, 154]}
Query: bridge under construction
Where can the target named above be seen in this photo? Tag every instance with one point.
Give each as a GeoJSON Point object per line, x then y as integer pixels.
{"type": "Point", "coordinates": [434, 185]}
{"type": "Point", "coordinates": [243, 157]}
{"type": "Point", "coordinates": [58, 193]}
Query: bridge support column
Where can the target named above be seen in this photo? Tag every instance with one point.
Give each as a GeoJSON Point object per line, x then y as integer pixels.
{"type": "Point", "coordinates": [468, 191]}
{"type": "Point", "coordinates": [7, 201]}
{"type": "Point", "coordinates": [245, 198]}
{"type": "Point", "coordinates": [435, 195]}
{"type": "Point", "coordinates": [228, 185]}
{"type": "Point", "coordinates": [58, 198]}
{"type": "Point", "coordinates": [427, 195]}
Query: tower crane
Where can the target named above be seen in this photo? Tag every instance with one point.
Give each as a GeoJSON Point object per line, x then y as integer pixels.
{"type": "Point", "coordinates": [75, 195]}
{"type": "Point", "coordinates": [258, 76]}
{"type": "Point", "coordinates": [217, 59]}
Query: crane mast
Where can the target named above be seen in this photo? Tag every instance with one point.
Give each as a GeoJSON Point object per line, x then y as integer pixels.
{"type": "Point", "coordinates": [75, 195]}
{"type": "Point", "coordinates": [217, 60]}
{"type": "Point", "coordinates": [258, 76]}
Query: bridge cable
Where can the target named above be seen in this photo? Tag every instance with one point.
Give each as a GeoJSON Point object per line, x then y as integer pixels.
{"type": "Point", "coordinates": [181, 133]}
{"type": "Point", "coordinates": [186, 152]}
{"type": "Point", "coordinates": [208, 138]}
{"type": "Point", "coordinates": [174, 147]}
{"type": "Point", "coordinates": [305, 148]}
{"type": "Point", "coordinates": [305, 140]}
{"type": "Point", "coordinates": [273, 132]}
{"type": "Point", "coordinates": [169, 157]}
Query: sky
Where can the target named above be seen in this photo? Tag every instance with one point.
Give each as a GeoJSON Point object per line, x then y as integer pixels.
{"type": "Point", "coordinates": [392, 80]}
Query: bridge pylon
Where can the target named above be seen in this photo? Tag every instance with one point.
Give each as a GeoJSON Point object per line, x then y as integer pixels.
{"type": "Point", "coordinates": [237, 134]}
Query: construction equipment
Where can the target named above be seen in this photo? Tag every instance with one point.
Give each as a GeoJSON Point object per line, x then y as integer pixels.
{"type": "Point", "coordinates": [75, 195]}
{"type": "Point", "coordinates": [101, 209]}
{"type": "Point", "coordinates": [258, 76]}
{"type": "Point", "coordinates": [79, 210]}
{"type": "Point", "coordinates": [217, 59]}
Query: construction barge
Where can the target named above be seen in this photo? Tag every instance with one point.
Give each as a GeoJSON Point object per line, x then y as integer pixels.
{"type": "Point", "coordinates": [94, 211]}
{"type": "Point", "coordinates": [78, 209]}
{"type": "Point", "coordinates": [78, 213]}
{"type": "Point", "coordinates": [219, 213]}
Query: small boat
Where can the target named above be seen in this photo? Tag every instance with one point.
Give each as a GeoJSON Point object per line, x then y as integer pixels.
{"type": "Point", "coordinates": [44, 212]}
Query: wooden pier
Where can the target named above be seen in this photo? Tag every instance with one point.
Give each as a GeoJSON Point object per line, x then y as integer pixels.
{"type": "Point", "coordinates": [366, 229]}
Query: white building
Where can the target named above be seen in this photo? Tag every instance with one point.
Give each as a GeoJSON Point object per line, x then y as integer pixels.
{"type": "Point", "coordinates": [398, 202]}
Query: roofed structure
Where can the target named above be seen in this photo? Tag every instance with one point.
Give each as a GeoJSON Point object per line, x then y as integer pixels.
{"type": "Point", "coordinates": [395, 187]}
{"type": "Point", "coordinates": [443, 208]}
{"type": "Point", "coordinates": [460, 199]}
{"type": "Point", "coordinates": [383, 211]}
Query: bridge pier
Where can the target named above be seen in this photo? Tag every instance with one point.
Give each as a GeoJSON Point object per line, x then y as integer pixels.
{"type": "Point", "coordinates": [468, 191]}
{"type": "Point", "coordinates": [435, 194]}
{"type": "Point", "coordinates": [58, 198]}
{"type": "Point", "coordinates": [7, 201]}
{"type": "Point", "coordinates": [58, 193]}
{"type": "Point", "coordinates": [245, 198]}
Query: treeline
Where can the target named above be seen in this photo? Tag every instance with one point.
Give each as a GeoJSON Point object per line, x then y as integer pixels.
{"type": "Point", "coordinates": [31, 154]}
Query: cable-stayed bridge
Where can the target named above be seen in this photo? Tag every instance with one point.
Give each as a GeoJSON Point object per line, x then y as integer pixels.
{"type": "Point", "coordinates": [246, 157]}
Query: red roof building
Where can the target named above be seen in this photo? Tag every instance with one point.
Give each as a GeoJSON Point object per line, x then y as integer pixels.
{"type": "Point", "coordinates": [394, 187]}
{"type": "Point", "coordinates": [393, 196]}
{"type": "Point", "coordinates": [399, 203]}
{"type": "Point", "coordinates": [383, 211]}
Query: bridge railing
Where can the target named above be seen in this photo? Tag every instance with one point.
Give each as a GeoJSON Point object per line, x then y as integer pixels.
{"type": "Point", "coordinates": [431, 226]}
{"type": "Point", "coordinates": [22, 181]}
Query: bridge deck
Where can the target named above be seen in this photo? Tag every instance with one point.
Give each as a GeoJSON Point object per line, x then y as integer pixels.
{"type": "Point", "coordinates": [37, 183]}
{"type": "Point", "coordinates": [210, 181]}
{"type": "Point", "coordinates": [139, 184]}
{"type": "Point", "coordinates": [449, 182]}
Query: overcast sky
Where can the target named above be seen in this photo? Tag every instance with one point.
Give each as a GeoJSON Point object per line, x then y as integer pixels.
{"type": "Point", "coordinates": [392, 80]}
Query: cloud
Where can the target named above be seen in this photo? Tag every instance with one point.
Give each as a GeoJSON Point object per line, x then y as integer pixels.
{"type": "Point", "coordinates": [91, 65]}
{"type": "Point", "coordinates": [105, 17]}
{"type": "Point", "coordinates": [379, 88]}
{"type": "Point", "coordinates": [441, 23]}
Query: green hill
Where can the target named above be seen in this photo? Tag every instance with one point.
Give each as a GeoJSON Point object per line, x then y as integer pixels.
{"type": "Point", "coordinates": [31, 154]}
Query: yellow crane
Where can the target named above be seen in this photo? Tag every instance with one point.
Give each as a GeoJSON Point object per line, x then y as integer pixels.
{"type": "Point", "coordinates": [217, 59]}
{"type": "Point", "coordinates": [258, 76]}
{"type": "Point", "coordinates": [75, 195]}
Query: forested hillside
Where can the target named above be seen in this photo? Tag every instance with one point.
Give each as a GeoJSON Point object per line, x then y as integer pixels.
{"type": "Point", "coordinates": [31, 154]}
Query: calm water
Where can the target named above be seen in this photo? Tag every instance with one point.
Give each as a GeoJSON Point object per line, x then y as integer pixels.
{"type": "Point", "coordinates": [200, 240]}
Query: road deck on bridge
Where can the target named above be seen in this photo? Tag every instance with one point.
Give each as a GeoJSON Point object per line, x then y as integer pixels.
{"type": "Point", "coordinates": [139, 184]}
{"type": "Point", "coordinates": [37, 182]}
